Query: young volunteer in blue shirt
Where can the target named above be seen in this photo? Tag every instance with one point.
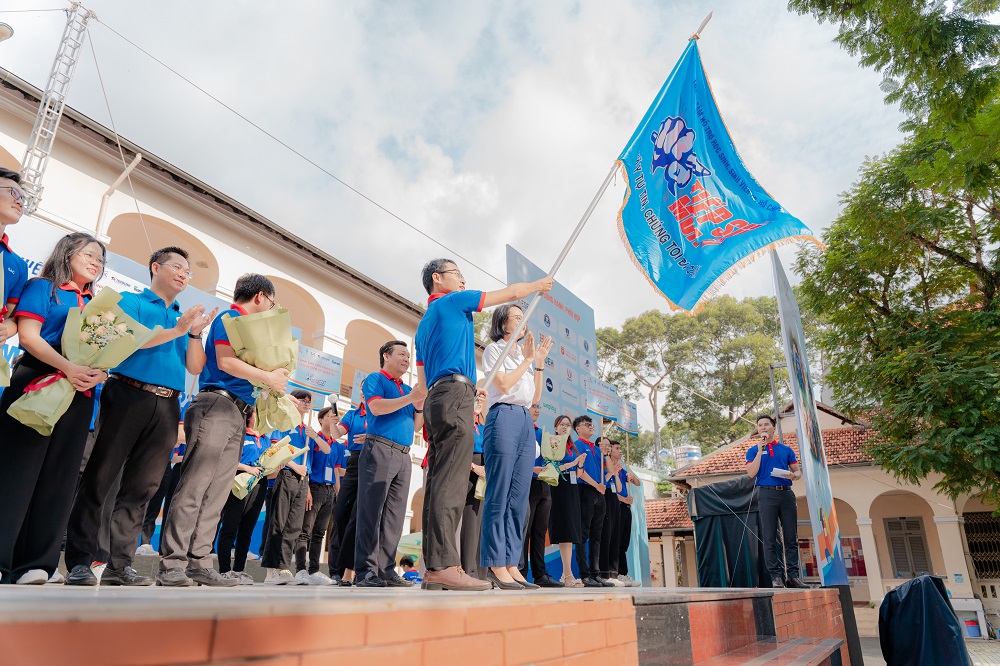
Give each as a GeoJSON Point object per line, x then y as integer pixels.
{"type": "Point", "coordinates": [472, 513]}
{"type": "Point", "coordinates": [610, 535]}
{"type": "Point", "coordinates": [384, 468]}
{"type": "Point", "coordinates": [446, 362]}
{"type": "Point", "coordinates": [239, 516]}
{"type": "Point", "coordinates": [537, 523]}
{"type": "Point", "coordinates": [565, 522]}
{"type": "Point", "coordinates": [776, 501]}
{"type": "Point", "coordinates": [352, 426]}
{"type": "Point", "coordinates": [136, 426]}
{"type": "Point", "coordinates": [214, 426]}
{"type": "Point", "coordinates": [322, 496]}
{"type": "Point", "coordinates": [37, 494]}
{"type": "Point", "coordinates": [592, 506]}
{"type": "Point", "coordinates": [625, 499]}
{"type": "Point", "coordinates": [15, 269]}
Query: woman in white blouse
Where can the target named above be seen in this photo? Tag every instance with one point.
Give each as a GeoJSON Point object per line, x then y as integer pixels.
{"type": "Point", "coordinates": [509, 446]}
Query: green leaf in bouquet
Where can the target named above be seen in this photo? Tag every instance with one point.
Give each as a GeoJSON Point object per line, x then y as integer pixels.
{"type": "Point", "coordinates": [42, 408]}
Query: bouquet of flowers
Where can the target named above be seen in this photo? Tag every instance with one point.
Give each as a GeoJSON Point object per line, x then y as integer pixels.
{"type": "Point", "coordinates": [271, 460]}
{"type": "Point", "coordinates": [264, 340]}
{"type": "Point", "coordinates": [101, 337]}
{"type": "Point", "coordinates": [553, 449]}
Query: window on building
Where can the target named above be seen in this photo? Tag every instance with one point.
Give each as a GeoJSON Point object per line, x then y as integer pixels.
{"type": "Point", "coordinates": [907, 547]}
{"type": "Point", "coordinates": [982, 529]}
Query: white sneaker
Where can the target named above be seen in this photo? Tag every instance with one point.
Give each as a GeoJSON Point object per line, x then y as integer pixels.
{"type": "Point", "coordinates": [57, 578]}
{"type": "Point", "coordinates": [320, 578]}
{"type": "Point", "coordinates": [280, 577]}
{"type": "Point", "coordinates": [231, 575]}
{"type": "Point", "coordinates": [146, 550]}
{"type": "Point", "coordinates": [245, 578]}
{"type": "Point", "coordinates": [98, 569]}
{"type": "Point", "coordinates": [614, 581]}
{"type": "Point", "coordinates": [627, 582]}
{"type": "Point", "coordinates": [251, 556]}
{"type": "Point", "coordinates": [304, 577]}
{"type": "Point", "coordinates": [33, 577]}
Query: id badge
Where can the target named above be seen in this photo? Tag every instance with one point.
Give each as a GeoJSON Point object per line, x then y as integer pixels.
{"type": "Point", "coordinates": [572, 476]}
{"type": "Point", "coordinates": [328, 475]}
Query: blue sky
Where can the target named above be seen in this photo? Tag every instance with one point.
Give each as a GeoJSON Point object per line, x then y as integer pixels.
{"type": "Point", "coordinates": [481, 123]}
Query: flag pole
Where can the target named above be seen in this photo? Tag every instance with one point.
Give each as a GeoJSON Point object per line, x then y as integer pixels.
{"type": "Point", "coordinates": [697, 33]}
{"type": "Point", "coordinates": [555, 267]}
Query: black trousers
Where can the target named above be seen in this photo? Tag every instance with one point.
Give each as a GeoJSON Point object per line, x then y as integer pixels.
{"type": "Point", "coordinates": [383, 486]}
{"type": "Point", "coordinates": [345, 515]}
{"type": "Point", "coordinates": [268, 494]}
{"type": "Point", "coordinates": [332, 546]}
{"type": "Point", "coordinates": [472, 523]}
{"type": "Point", "coordinates": [136, 430]}
{"type": "Point", "coordinates": [36, 495]}
{"type": "Point", "coordinates": [535, 528]}
{"type": "Point", "coordinates": [448, 417]}
{"type": "Point", "coordinates": [610, 535]}
{"type": "Point", "coordinates": [162, 498]}
{"type": "Point", "coordinates": [777, 507]}
{"type": "Point", "coordinates": [239, 518]}
{"type": "Point", "coordinates": [288, 508]}
{"type": "Point", "coordinates": [588, 553]}
{"type": "Point", "coordinates": [314, 526]}
{"type": "Point", "coordinates": [625, 529]}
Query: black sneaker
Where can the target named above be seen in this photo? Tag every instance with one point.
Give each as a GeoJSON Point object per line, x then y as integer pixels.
{"type": "Point", "coordinates": [82, 575]}
{"type": "Point", "coordinates": [210, 578]}
{"type": "Point", "coordinates": [369, 580]}
{"type": "Point", "coordinates": [590, 581]}
{"type": "Point", "coordinates": [126, 577]}
{"type": "Point", "coordinates": [395, 580]}
{"type": "Point", "coordinates": [345, 583]}
{"type": "Point", "coordinates": [604, 582]}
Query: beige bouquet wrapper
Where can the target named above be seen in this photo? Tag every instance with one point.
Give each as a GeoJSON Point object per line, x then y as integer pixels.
{"type": "Point", "coordinates": [271, 460]}
{"type": "Point", "coordinates": [480, 491]}
{"type": "Point", "coordinates": [264, 340]}
{"type": "Point", "coordinates": [553, 448]}
{"type": "Point", "coordinates": [47, 398]}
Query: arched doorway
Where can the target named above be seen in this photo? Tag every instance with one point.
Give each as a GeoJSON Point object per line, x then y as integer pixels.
{"type": "Point", "coordinates": [305, 311]}
{"type": "Point", "coordinates": [906, 536]}
{"type": "Point", "coordinates": [364, 338]}
{"type": "Point", "coordinates": [417, 508]}
{"type": "Point", "coordinates": [137, 238]}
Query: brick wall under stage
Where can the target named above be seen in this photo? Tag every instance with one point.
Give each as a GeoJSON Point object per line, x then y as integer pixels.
{"type": "Point", "coordinates": [809, 614]}
{"type": "Point", "coordinates": [512, 632]}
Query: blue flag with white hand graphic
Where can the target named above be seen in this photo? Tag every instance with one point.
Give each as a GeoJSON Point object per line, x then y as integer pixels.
{"type": "Point", "coordinates": [693, 215]}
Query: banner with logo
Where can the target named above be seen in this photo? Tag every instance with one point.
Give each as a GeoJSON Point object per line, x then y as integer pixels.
{"type": "Point", "coordinates": [602, 398]}
{"type": "Point", "coordinates": [815, 474]}
{"type": "Point", "coordinates": [570, 322]}
{"type": "Point", "coordinates": [629, 419]}
{"type": "Point", "coordinates": [318, 373]}
{"type": "Point", "coordinates": [693, 215]}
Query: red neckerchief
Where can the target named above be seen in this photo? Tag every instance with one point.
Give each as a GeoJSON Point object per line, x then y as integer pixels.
{"type": "Point", "coordinates": [590, 444]}
{"type": "Point", "coordinates": [397, 382]}
{"type": "Point", "coordinates": [239, 308]}
{"type": "Point", "coordinates": [71, 286]}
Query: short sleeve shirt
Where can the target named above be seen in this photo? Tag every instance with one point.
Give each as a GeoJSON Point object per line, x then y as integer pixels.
{"type": "Point", "coordinates": [212, 376]}
{"type": "Point", "coordinates": [523, 391]}
{"type": "Point", "coordinates": [162, 365]}
{"type": "Point", "coordinates": [254, 444]}
{"type": "Point", "coordinates": [593, 464]}
{"type": "Point", "coordinates": [354, 423]}
{"type": "Point", "coordinates": [778, 456]}
{"type": "Point", "coordinates": [38, 303]}
{"type": "Point", "coordinates": [15, 275]}
{"type": "Point", "coordinates": [321, 465]}
{"type": "Point", "coordinates": [446, 341]}
{"type": "Point", "coordinates": [395, 426]}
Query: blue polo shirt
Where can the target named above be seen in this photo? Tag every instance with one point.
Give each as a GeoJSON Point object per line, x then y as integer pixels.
{"type": "Point", "coordinates": [212, 376]}
{"type": "Point", "coordinates": [298, 439]}
{"type": "Point", "coordinates": [777, 456]}
{"type": "Point", "coordinates": [162, 365]}
{"type": "Point", "coordinates": [593, 464]}
{"type": "Point", "coordinates": [446, 342]}
{"type": "Point", "coordinates": [254, 444]}
{"type": "Point", "coordinates": [322, 466]}
{"type": "Point", "coordinates": [38, 303]}
{"type": "Point", "coordinates": [623, 482]}
{"type": "Point", "coordinates": [395, 426]}
{"type": "Point", "coordinates": [15, 275]}
{"type": "Point", "coordinates": [539, 460]}
{"type": "Point", "coordinates": [354, 423]}
{"type": "Point", "coordinates": [478, 446]}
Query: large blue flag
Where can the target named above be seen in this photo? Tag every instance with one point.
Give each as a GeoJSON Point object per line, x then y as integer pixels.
{"type": "Point", "coordinates": [693, 215]}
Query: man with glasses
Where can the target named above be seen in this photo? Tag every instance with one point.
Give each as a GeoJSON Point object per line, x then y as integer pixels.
{"type": "Point", "coordinates": [137, 424]}
{"type": "Point", "coordinates": [15, 269]}
{"type": "Point", "coordinates": [446, 362]}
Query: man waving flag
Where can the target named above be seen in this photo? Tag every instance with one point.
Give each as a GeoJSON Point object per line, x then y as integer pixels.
{"type": "Point", "coordinates": [693, 215]}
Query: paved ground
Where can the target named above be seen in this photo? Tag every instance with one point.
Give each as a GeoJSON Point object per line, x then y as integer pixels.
{"type": "Point", "coordinates": [983, 653]}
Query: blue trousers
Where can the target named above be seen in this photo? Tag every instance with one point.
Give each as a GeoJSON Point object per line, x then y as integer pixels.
{"type": "Point", "coordinates": [509, 454]}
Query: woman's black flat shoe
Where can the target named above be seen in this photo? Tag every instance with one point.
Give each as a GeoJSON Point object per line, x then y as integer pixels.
{"type": "Point", "coordinates": [492, 577]}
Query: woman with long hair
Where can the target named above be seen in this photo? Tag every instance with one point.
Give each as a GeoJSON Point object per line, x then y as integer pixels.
{"type": "Point", "coordinates": [565, 524]}
{"type": "Point", "coordinates": [509, 445]}
{"type": "Point", "coordinates": [37, 494]}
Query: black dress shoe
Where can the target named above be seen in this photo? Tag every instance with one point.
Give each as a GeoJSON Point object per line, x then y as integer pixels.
{"type": "Point", "coordinates": [777, 582]}
{"type": "Point", "coordinates": [126, 577]}
{"type": "Point", "coordinates": [548, 581]}
{"type": "Point", "coordinates": [369, 580]}
{"type": "Point", "coordinates": [590, 581]}
{"type": "Point", "coordinates": [492, 577]}
{"type": "Point", "coordinates": [526, 585]}
{"type": "Point", "coordinates": [395, 580]}
{"type": "Point", "coordinates": [345, 583]}
{"type": "Point", "coordinates": [81, 574]}
{"type": "Point", "coordinates": [797, 583]}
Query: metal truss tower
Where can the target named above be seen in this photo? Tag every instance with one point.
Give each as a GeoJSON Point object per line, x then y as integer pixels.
{"type": "Point", "coordinates": [43, 135]}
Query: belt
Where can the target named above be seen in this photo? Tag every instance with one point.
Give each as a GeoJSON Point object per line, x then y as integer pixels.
{"type": "Point", "coordinates": [244, 407]}
{"type": "Point", "coordinates": [161, 391]}
{"type": "Point", "coordinates": [775, 487]}
{"type": "Point", "coordinates": [452, 378]}
{"type": "Point", "coordinates": [388, 442]}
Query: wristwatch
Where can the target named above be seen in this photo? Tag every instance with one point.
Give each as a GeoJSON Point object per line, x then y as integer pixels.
{"type": "Point", "coordinates": [193, 336]}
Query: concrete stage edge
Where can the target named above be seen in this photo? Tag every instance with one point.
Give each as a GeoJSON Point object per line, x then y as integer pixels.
{"type": "Point", "coordinates": [308, 626]}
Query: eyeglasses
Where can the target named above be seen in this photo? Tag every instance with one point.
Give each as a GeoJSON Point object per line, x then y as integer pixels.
{"type": "Point", "coordinates": [514, 317]}
{"type": "Point", "coordinates": [14, 193]}
{"type": "Point", "coordinates": [272, 304]}
{"type": "Point", "coordinates": [457, 273]}
{"type": "Point", "coordinates": [179, 269]}
{"type": "Point", "coordinates": [92, 258]}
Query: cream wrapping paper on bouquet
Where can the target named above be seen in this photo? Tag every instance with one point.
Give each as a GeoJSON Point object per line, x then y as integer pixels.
{"type": "Point", "coordinates": [100, 337]}
{"type": "Point", "coordinates": [264, 340]}
{"type": "Point", "coordinates": [271, 460]}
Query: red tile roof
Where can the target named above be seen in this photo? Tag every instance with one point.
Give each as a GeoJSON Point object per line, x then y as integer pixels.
{"type": "Point", "coordinates": [844, 446]}
{"type": "Point", "coordinates": [667, 514]}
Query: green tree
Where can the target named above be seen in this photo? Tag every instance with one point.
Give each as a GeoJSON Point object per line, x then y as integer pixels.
{"type": "Point", "coordinates": [909, 285]}
{"type": "Point", "coordinates": [481, 324]}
